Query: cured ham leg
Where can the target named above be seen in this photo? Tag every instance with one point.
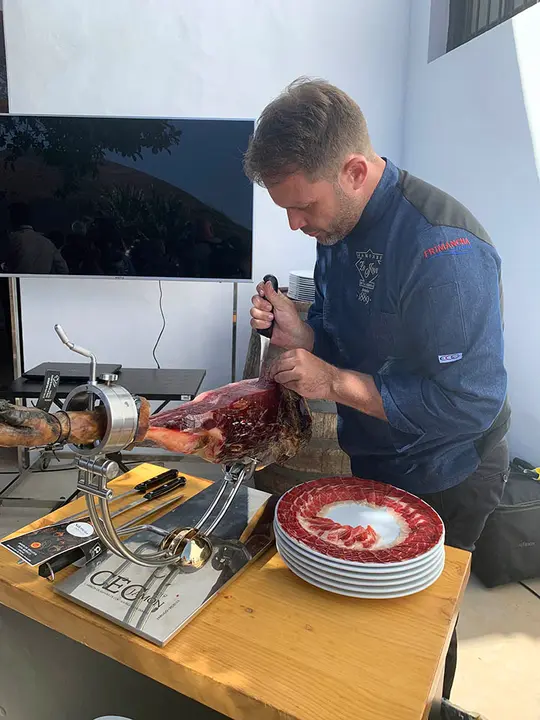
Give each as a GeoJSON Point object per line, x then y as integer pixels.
{"type": "Point", "coordinates": [256, 419]}
{"type": "Point", "coordinates": [30, 427]}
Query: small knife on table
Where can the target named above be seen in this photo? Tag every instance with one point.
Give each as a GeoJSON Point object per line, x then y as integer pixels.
{"type": "Point", "coordinates": [59, 562]}
{"type": "Point", "coordinates": [152, 495]}
{"type": "Point", "coordinates": [141, 488]}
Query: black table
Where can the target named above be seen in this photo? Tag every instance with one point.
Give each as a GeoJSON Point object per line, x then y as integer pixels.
{"type": "Point", "coordinates": [151, 383]}
{"type": "Point", "coordinates": [165, 385]}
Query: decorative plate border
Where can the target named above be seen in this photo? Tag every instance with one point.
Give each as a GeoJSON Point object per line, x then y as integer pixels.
{"type": "Point", "coordinates": [425, 526]}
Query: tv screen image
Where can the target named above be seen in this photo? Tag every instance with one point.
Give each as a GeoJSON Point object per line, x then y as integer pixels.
{"type": "Point", "coordinates": [125, 197]}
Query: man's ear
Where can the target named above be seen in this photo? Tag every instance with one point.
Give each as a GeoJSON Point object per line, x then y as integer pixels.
{"type": "Point", "coordinates": [354, 172]}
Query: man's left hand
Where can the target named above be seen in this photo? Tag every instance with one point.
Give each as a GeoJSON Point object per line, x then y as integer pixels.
{"type": "Point", "coordinates": [306, 374]}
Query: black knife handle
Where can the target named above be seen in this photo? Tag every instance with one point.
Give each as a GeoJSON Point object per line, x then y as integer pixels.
{"type": "Point", "coordinates": [161, 477]}
{"type": "Point", "coordinates": [164, 489]}
{"type": "Point", "coordinates": [273, 279]}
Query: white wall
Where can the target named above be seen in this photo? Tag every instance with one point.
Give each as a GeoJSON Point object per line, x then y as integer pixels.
{"type": "Point", "coordinates": [201, 59]}
{"type": "Point", "coordinates": [467, 130]}
{"type": "Point", "coordinates": [527, 35]}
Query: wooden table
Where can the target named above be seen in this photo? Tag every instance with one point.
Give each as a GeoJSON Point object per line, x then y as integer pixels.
{"type": "Point", "coordinates": [271, 646]}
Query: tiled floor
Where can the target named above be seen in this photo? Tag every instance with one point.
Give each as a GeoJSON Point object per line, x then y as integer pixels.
{"type": "Point", "coordinates": [499, 629]}
{"type": "Point", "coordinates": [499, 652]}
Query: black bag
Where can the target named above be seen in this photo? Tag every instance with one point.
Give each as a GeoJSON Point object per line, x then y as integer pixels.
{"type": "Point", "coordinates": [509, 548]}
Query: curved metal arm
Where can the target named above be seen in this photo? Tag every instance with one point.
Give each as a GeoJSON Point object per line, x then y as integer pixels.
{"type": "Point", "coordinates": [80, 350]}
{"type": "Point", "coordinates": [235, 475]}
{"type": "Point", "coordinates": [107, 533]}
{"type": "Point", "coordinates": [171, 554]}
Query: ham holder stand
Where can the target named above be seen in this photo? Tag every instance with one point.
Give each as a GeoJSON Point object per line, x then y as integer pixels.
{"type": "Point", "coordinates": [173, 567]}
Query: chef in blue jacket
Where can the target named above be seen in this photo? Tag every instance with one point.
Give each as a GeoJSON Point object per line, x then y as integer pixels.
{"type": "Point", "coordinates": [406, 331]}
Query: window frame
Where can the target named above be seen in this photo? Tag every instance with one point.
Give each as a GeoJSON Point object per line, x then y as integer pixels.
{"type": "Point", "coordinates": [461, 19]}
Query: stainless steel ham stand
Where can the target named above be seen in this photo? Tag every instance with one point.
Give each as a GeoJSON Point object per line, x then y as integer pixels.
{"type": "Point", "coordinates": [173, 567]}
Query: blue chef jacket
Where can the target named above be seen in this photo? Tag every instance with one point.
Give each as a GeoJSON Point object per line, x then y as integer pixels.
{"type": "Point", "coordinates": [412, 297]}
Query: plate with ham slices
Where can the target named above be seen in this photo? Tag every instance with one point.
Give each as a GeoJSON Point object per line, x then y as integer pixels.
{"type": "Point", "coordinates": [359, 537]}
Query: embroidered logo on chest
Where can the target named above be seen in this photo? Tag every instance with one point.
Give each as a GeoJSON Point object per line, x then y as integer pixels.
{"type": "Point", "coordinates": [368, 264]}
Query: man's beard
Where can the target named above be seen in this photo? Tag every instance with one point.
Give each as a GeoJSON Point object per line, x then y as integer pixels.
{"type": "Point", "coordinates": [347, 217]}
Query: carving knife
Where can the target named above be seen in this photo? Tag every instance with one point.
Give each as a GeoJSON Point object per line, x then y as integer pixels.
{"type": "Point", "coordinates": [266, 351]}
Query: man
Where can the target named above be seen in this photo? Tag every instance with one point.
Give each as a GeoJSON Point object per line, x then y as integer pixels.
{"type": "Point", "coordinates": [29, 252]}
{"type": "Point", "coordinates": [405, 333]}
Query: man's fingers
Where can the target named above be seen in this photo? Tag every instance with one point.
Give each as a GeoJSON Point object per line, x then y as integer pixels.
{"type": "Point", "coordinates": [261, 315]}
{"type": "Point", "coordinates": [287, 376]}
{"type": "Point", "coordinates": [260, 320]}
{"type": "Point", "coordinates": [277, 299]}
{"type": "Point", "coordinates": [261, 304]}
{"type": "Point", "coordinates": [294, 385]}
{"type": "Point", "coordinates": [283, 363]}
{"type": "Point", "coordinates": [259, 324]}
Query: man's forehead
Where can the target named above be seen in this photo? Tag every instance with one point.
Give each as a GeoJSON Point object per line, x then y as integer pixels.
{"type": "Point", "coordinates": [296, 191]}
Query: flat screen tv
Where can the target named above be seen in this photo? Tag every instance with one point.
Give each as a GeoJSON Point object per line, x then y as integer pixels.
{"type": "Point", "coordinates": [125, 197]}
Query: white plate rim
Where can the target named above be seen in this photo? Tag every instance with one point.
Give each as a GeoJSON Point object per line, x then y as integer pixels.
{"type": "Point", "coordinates": [344, 573]}
{"type": "Point", "coordinates": [352, 563]}
{"type": "Point", "coordinates": [349, 562]}
{"type": "Point", "coordinates": [302, 273]}
{"type": "Point", "coordinates": [338, 566]}
{"type": "Point", "coordinates": [374, 587]}
{"type": "Point", "coordinates": [363, 595]}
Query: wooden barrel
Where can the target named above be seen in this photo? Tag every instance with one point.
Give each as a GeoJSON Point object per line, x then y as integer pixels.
{"type": "Point", "coordinates": [322, 456]}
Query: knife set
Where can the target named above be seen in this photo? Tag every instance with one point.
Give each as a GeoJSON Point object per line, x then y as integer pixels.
{"type": "Point", "coordinates": [73, 540]}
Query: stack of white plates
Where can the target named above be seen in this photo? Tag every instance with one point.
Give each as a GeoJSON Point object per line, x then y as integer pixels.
{"type": "Point", "coordinates": [301, 285]}
{"type": "Point", "coordinates": [359, 538]}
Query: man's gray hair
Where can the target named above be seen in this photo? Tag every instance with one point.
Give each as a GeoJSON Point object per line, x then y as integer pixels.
{"type": "Point", "coordinates": [310, 128]}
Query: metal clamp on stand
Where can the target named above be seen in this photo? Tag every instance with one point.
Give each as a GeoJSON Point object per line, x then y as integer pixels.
{"type": "Point", "coordinates": [192, 546]}
{"type": "Point", "coordinates": [189, 548]}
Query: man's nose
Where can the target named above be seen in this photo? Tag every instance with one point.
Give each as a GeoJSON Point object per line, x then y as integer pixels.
{"type": "Point", "coordinates": [296, 219]}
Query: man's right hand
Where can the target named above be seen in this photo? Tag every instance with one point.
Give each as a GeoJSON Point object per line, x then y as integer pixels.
{"type": "Point", "coordinates": [289, 330]}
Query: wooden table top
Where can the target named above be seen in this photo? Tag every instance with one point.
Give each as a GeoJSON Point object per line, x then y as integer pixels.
{"type": "Point", "coordinates": [271, 646]}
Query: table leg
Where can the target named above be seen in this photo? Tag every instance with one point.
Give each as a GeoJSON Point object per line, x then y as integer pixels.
{"type": "Point", "coordinates": [161, 407]}
{"type": "Point", "coordinates": [23, 459]}
{"type": "Point", "coordinates": [435, 709]}
{"type": "Point", "coordinates": [42, 461]}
